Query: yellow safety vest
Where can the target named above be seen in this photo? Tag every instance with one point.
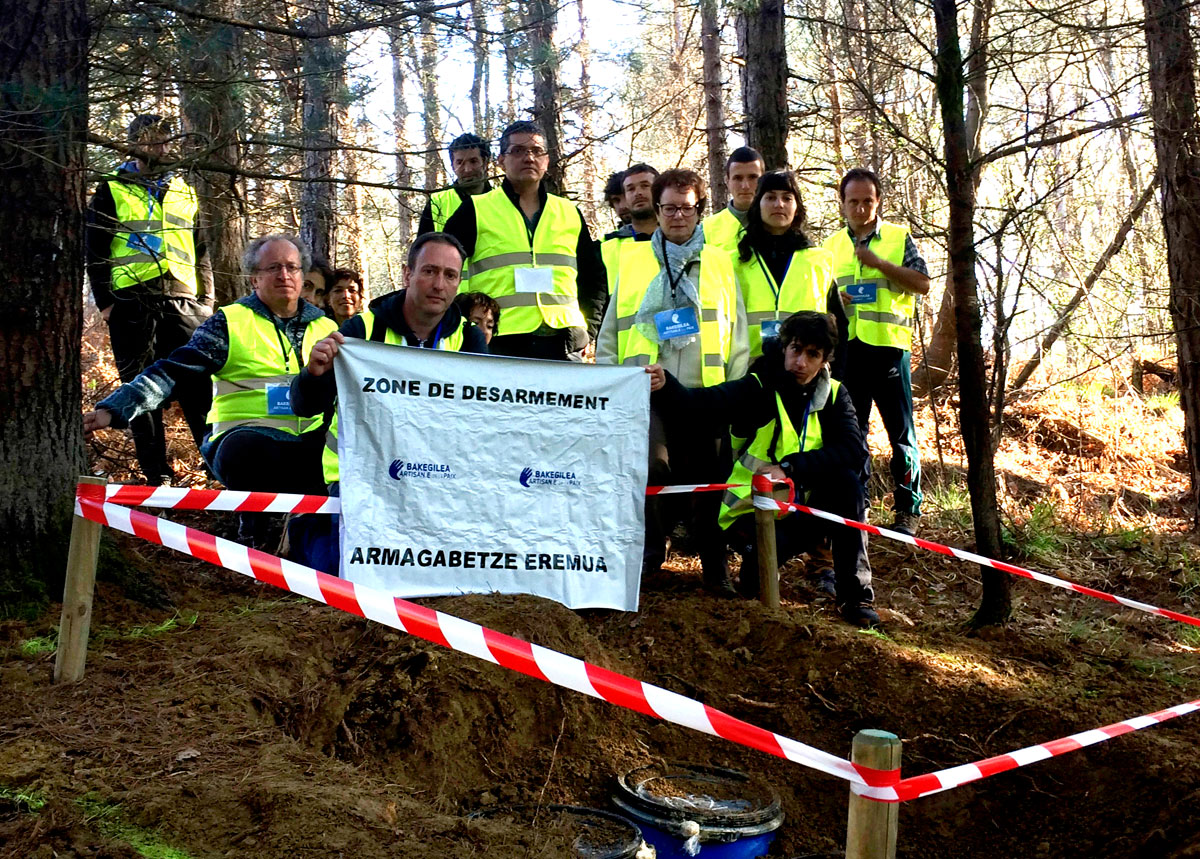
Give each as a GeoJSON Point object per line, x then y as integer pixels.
{"type": "Point", "coordinates": [259, 356]}
{"type": "Point", "coordinates": [452, 343]}
{"type": "Point", "coordinates": [723, 230]}
{"type": "Point", "coordinates": [888, 320]}
{"type": "Point", "coordinates": [804, 287]}
{"type": "Point", "coordinates": [766, 449]}
{"type": "Point", "coordinates": [610, 253]}
{"type": "Point", "coordinates": [443, 204]}
{"type": "Point", "coordinates": [503, 245]}
{"type": "Point", "coordinates": [718, 308]}
{"type": "Point", "coordinates": [153, 238]}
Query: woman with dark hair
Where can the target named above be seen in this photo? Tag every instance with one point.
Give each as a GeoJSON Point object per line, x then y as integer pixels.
{"type": "Point", "coordinates": [779, 269]}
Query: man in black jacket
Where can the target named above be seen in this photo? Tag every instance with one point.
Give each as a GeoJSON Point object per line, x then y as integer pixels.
{"type": "Point", "coordinates": [790, 420]}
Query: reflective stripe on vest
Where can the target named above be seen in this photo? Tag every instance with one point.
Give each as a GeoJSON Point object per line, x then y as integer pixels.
{"type": "Point", "coordinates": [153, 239]}
{"type": "Point", "coordinates": [804, 288]}
{"type": "Point", "coordinates": [888, 320]}
{"type": "Point", "coordinates": [723, 230]}
{"type": "Point", "coordinates": [502, 245]}
{"type": "Point", "coordinates": [718, 312]}
{"type": "Point", "coordinates": [329, 455]}
{"type": "Point", "coordinates": [758, 454]}
{"type": "Point", "coordinates": [259, 355]}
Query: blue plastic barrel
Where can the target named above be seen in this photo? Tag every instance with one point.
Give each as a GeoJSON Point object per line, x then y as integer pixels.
{"type": "Point", "coordinates": [685, 810]}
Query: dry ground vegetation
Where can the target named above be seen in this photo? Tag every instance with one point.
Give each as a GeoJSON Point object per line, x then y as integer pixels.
{"type": "Point", "coordinates": [219, 717]}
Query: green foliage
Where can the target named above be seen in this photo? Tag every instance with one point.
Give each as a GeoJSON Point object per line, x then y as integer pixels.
{"type": "Point", "coordinates": [1161, 404]}
{"type": "Point", "coordinates": [40, 645]}
{"type": "Point", "coordinates": [1040, 535]}
{"type": "Point", "coordinates": [949, 504]}
{"type": "Point", "coordinates": [30, 799]}
{"type": "Point", "coordinates": [176, 623]}
{"type": "Point", "coordinates": [108, 819]}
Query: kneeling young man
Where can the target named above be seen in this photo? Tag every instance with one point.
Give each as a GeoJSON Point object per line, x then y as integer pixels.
{"type": "Point", "coordinates": [789, 419]}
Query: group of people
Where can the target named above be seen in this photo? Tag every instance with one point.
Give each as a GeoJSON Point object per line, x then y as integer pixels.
{"type": "Point", "coordinates": [765, 350]}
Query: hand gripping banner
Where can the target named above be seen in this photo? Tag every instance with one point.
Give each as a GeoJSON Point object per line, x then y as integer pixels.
{"type": "Point", "coordinates": [473, 474]}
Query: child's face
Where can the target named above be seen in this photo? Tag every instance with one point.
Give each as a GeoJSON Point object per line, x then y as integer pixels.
{"type": "Point", "coordinates": [484, 320]}
{"type": "Point", "coordinates": [803, 361]}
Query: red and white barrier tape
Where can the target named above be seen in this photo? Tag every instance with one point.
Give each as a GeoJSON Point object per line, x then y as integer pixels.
{"type": "Point", "coordinates": [483, 643]}
{"type": "Point", "coordinates": [211, 499]}
{"type": "Point", "coordinates": [272, 502]}
{"type": "Point", "coordinates": [765, 503]}
{"type": "Point", "coordinates": [924, 785]}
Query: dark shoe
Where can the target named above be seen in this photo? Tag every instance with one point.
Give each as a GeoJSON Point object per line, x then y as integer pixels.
{"type": "Point", "coordinates": [827, 583]}
{"type": "Point", "coordinates": [747, 584]}
{"type": "Point", "coordinates": [906, 524]}
{"type": "Point", "coordinates": [862, 615]}
{"type": "Point", "coordinates": [717, 583]}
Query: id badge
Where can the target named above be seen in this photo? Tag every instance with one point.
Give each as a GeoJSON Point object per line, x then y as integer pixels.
{"type": "Point", "coordinates": [770, 328]}
{"type": "Point", "coordinates": [151, 242]}
{"type": "Point", "coordinates": [862, 293]}
{"type": "Point", "coordinates": [535, 279]}
{"type": "Point", "coordinates": [278, 402]}
{"type": "Point", "coordinates": [676, 323]}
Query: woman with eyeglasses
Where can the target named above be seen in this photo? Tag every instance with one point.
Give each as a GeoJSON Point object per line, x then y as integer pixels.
{"type": "Point", "coordinates": [676, 303]}
{"type": "Point", "coordinates": [779, 269]}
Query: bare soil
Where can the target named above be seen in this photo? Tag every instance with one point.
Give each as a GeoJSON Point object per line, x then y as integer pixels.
{"type": "Point", "coordinates": [225, 718]}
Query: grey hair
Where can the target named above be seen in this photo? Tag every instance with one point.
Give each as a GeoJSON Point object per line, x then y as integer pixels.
{"type": "Point", "coordinates": [250, 257]}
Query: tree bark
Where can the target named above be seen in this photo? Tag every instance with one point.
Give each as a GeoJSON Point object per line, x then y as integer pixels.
{"type": "Point", "coordinates": [764, 80]}
{"type": "Point", "coordinates": [404, 206]}
{"type": "Point", "coordinates": [541, 19]}
{"type": "Point", "coordinates": [479, 44]}
{"type": "Point", "coordinates": [974, 421]}
{"type": "Point", "coordinates": [1172, 67]}
{"type": "Point", "coordinates": [350, 252]}
{"type": "Point", "coordinates": [213, 113]}
{"type": "Point", "coordinates": [426, 61]}
{"type": "Point", "coordinates": [1060, 324]}
{"type": "Point", "coordinates": [583, 107]}
{"type": "Point", "coordinates": [714, 104]}
{"type": "Point", "coordinates": [318, 226]}
{"type": "Point", "coordinates": [43, 120]}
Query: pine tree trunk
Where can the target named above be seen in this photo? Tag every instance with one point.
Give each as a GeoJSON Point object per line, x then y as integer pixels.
{"type": "Point", "coordinates": [479, 111]}
{"type": "Point", "coordinates": [1177, 145]}
{"type": "Point", "coordinates": [541, 16]}
{"type": "Point", "coordinates": [974, 419]}
{"type": "Point", "coordinates": [43, 120]}
{"type": "Point", "coordinates": [714, 104]}
{"type": "Point", "coordinates": [511, 17]}
{"type": "Point", "coordinates": [404, 205]}
{"type": "Point", "coordinates": [426, 63]}
{"type": "Point", "coordinates": [213, 113]}
{"type": "Point", "coordinates": [318, 225]}
{"type": "Point", "coordinates": [583, 107]}
{"type": "Point", "coordinates": [350, 253]}
{"type": "Point", "coordinates": [764, 80]}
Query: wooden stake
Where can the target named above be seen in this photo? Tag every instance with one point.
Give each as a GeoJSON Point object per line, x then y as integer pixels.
{"type": "Point", "coordinates": [76, 620]}
{"type": "Point", "coordinates": [768, 560]}
{"type": "Point", "coordinates": [872, 826]}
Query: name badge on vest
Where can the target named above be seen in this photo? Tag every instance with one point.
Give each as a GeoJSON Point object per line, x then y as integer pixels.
{"type": "Point", "coordinates": [862, 293]}
{"type": "Point", "coordinates": [770, 328]}
{"type": "Point", "coordinates": [278, 402]}
{"type": "Point", "coordinates": [676, 323]}
{"type": "Point", "coordinates": [151, 242]}
{"type": "Point", "coordinates": [535, 279]}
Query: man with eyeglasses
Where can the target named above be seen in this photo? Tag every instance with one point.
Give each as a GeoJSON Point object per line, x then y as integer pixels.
{"type": "Point", "coordinates": [677, 304]}
{"type": "Point", "coordinates": [531, 251]}
{"type": "Point", "coordinates": [143, 251]}
{"type": "Point", "coordinates": [251, 350]}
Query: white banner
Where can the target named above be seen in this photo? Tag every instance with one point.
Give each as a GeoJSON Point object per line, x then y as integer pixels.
{"type": "Point", "coordinates": [467, 473]}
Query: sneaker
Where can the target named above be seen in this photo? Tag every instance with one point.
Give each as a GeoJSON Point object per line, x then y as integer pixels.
{"type": "Point", "coordinates": [827, 583]}
{"type": "Point", "coordinates": [862, 615]}
{"type": "Point", "coordinates": [906, 523]}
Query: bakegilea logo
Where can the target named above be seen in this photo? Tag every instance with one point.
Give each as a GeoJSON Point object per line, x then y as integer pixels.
{"type": "Point", "coordinates": [408, 470]}
{"type": "Point", "coordinates": [534, 477]}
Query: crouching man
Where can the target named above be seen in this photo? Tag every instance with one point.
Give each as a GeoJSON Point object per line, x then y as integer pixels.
{"type": "Point", "coordinates": [789, 419]}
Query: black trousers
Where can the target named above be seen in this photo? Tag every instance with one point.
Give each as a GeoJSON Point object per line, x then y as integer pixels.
{"type": "Point", "coordinates": [843, 494]}
{"type": "Point", "coordinates": [678, 454]}
{"type": "Point", "coordinates": [566, 344]}
{"type": "Point", "coordinates": [143, 328]}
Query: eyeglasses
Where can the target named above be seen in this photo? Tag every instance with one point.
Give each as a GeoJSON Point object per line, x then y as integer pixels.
{"type": "Point", "coordinates": [276, 268]}
{"type": "Point", "coordinates": [522, 151]}
{"type": "Point", "coordinates": [676, 211]}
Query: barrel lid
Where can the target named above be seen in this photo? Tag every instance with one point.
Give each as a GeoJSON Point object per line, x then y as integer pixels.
{"type": "Point", "coordinates": [667, 794]}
